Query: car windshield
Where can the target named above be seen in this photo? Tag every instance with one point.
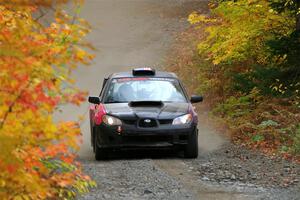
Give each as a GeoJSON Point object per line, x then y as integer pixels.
{"type": "Point", "coordinates": [123, 90]}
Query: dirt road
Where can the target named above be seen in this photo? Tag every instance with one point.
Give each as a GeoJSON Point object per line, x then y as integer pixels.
{"type": "Point", "coordinates": [140, 33]}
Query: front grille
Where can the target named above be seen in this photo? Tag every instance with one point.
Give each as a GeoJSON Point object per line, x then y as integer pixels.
{"type": "Point", "coordinates": [147, 123]}
{"type": "Point", "coordinates": [165, 121]}
{"type": "Point", "coordinates": [161, 121]}
{"type": "Point", "coordinates": [129, 121]}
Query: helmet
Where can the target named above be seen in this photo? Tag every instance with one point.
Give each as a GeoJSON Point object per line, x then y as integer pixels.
{"type": "Point", "coordinates": [126, 93]}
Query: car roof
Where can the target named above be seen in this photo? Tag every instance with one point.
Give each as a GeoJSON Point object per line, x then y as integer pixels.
{"type": "Point", "coordinates": [158, 74]}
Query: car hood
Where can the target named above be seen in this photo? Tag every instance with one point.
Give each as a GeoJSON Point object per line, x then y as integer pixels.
{"type": "Point", "coordinates": [165, 111]}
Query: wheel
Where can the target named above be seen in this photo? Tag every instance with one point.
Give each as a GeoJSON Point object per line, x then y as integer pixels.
{"type": "Point", "coordinates": [100, 153]}
{"type": "Point", "coordinates": [191, 149]}
{"type": "Point", "coordinates": [93, 139]}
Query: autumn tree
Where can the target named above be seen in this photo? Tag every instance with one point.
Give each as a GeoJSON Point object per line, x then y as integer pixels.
{"type": "Point", "coordinates": [254, 49]}
{"type": "Point", "coordinates": [37, 159]}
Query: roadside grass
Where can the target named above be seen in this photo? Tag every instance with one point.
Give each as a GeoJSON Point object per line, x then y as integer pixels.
{"type": "Point", "coordinates": [256, 121]}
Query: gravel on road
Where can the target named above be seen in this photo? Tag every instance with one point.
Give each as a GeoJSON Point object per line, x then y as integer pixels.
{"type": "Point", "coordinates": [132, 179]}
{"type": "Point", "coordinates": [233, 163]}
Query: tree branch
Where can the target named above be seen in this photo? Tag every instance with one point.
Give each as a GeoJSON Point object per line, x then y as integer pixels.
{"type": "Point", "coordinates": [10, 108]}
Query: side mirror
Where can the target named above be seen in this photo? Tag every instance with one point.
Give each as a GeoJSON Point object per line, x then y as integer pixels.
{"type": "Point", "coordinates": [94, 100]}
{"type": "Point", "coordinates": [196, 99]}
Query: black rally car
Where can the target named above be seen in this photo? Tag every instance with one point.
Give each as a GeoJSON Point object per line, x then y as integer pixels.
{"type": "Point", "coordinates": [143, 109]}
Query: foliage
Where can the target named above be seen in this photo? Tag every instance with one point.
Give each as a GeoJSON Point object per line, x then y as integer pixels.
{"type": "Point", "coordinates": [239, 30]}
{"type": "Point", "coordinates": [247, 67]}
{"type": "Point", "coordinates": [260, 122]}
{"type": "Point", "coordinates": [296, 141]}
{"type": "Point", "coordinates": [254, 42]}
{"type": "Point", "coordinates": [37, 159]}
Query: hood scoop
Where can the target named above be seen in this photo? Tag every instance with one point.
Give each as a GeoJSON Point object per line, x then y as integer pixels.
{"type": "Point", "coordinates": [145, 104]}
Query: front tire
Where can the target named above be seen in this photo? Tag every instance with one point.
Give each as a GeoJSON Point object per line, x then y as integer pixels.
{"type": "Point", "coordinates": [191, 149]}
{"type": "Point", "coordinates": [93, 139]}
{"type": "Point", "coordinates": [100, 153]}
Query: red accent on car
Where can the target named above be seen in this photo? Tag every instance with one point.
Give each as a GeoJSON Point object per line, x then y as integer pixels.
{"type": "Point", "coordinates": [119, 130]}
{"type": "Point", "coordinates": [92, 107]}
{"type": "Point", "coordinates": [99, 112]}
{"type": "Point", "coordinates": [131, 79]}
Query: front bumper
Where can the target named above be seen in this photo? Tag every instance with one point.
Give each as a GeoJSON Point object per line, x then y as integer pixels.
{"type": "Point", "coordinates": [135, 137]}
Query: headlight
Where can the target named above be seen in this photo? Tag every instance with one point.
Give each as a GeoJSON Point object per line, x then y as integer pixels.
{"type": "Point", "coordinates": [184, 119]}
{"type": "Point", "coordinates": [111, 121]}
